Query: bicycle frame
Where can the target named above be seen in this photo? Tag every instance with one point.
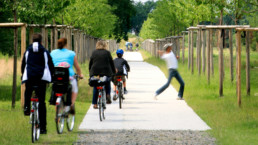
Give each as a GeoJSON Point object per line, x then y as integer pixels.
{"type": "Point", "coordinates": [101, 101]}
{"type": "Point", "coordinates": [34, 118]}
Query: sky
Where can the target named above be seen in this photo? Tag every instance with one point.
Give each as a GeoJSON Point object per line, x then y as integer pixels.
{"type": "Point", "coordinates": [142, 0]}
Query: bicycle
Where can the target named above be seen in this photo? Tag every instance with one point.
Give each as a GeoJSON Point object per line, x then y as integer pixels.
{"type": "Point", "coordinates": [34, 116]}
{"type": "Point", "coordinates": [119, 91]}
{"type": "Point", "coordinates": [101, 102]}
{"type": "Point", "coordinates": [62, 89]}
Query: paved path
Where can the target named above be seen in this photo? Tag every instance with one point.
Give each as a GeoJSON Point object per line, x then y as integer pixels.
{"type": "Point", "coordinates": [140, 111]}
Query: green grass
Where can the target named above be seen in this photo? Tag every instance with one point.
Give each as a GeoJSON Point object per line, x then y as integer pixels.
{"type": "Point", "coordinates": [230, 124]}
{"type": "Point", "coordinates": [15, 128]}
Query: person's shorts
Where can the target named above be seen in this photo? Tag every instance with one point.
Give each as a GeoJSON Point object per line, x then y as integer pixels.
{"type": "Point", "coordinates": [115, 79]}
{"type": "Point", "coordinates": [74, 85]}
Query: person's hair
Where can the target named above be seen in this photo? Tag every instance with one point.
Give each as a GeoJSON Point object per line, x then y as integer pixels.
{"type": "Point", "coordinates": [37, 37]}
{"type": "Point", "coordinates": [101, 44]}
{"type": "Point", "coordinates": [119, 55]}
{"type": "Point", "coordinates": [61, 43]}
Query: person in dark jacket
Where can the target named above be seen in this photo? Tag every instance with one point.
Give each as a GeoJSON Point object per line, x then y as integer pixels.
{"type": "Point", "coordinates": [122, 67]}
{"type": "Point", "coordinates": [37, 69]}
{"type": "Point", "coordinates": [101, 64]}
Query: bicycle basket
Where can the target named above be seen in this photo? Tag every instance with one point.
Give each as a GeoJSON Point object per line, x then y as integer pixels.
{"type": "Point", "coordinates": [98, 81]}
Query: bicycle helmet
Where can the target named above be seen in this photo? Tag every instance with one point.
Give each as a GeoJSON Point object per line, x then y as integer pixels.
{"type": "Point", "coordinates": [119, 51]}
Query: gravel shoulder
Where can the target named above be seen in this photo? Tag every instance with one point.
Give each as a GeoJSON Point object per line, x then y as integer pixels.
{"type": "Point", "coordinates": [144, 137]}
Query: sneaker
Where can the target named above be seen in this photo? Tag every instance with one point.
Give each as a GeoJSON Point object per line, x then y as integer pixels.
{"type": "Point", "coordinates": [179, 98]}
{"type": "Point", "coordinates": [72, 110]}
{"type": "Point", "coordinates": [123, 97]}
{"type": "Point", "coordinates": [114, 97]}
{"type": "Point", "coordinates": [156, 96]}
{"type": "Point", "coordinates": [108, 100]}
{"type": "Point", "coordinates": [26, 111]}
{"type": "Point", "coordinates": [125, 91]}
{"type": "Point", "coordinates": [43, 131]}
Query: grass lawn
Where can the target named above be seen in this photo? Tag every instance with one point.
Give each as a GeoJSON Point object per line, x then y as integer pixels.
{"type": "Point", "coordinates": [230, 124]}
{"type": "Point", "coordinates": [15, 128]}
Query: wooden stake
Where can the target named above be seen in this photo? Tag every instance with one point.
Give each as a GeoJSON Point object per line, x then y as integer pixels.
{"type": "Point", "coordinates": [183, 48]}
{"type": "Point", "coordinates": [238, 40]}
{"type": "Point", "coordinates": [23, 48]}
{"type": "Point", "coordinates": [220, 41]}
{"type": "Point", "coordinates": [247, 63]}
{"type": "Point", "coordinates": [192, 52]}
{"type": "Point", "coordinates": [15, 42]}
{"type": "Point", "coordinates": [208, 55]}
{"type": "Point", "coordinates": [31, 35]}
{"type": "Point", "coordinates": [189, 49]}
{"type": "Point", "coordinates": [211, 51]}
{"type": "Point", "coordinates": [203, 50]}
{"type": "Point", "coordinates": [231, 55]}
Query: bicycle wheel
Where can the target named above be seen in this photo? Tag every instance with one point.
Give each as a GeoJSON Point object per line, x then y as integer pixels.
{"type": "Point", "coordinates": [120, 96]}
{"type": "Point", "coordinates": [70, 122]}
{"type": "Point", "coordinates": [103, 103]}
{"type": "Point", "coordinates": [100, 108]}
{"type": "Point", "coordinates": [33, 127]}
{"type": "Point", "coordinates": [60, 117]}
{"type": "Point", "coordinates": [37, 123]}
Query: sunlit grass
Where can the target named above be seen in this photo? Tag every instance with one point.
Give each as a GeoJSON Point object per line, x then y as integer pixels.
{"type": "Point", "coordinates": [15, 128]}
{"type": "Point", "coordinates": [230, 124]}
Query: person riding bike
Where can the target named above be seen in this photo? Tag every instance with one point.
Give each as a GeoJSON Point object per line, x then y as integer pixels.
{"type": "Point", "coordinates": [122, 67]}
{"type": "Point", "coordinates": [37, 69]}
{"type": "Point", "coordinates": [61, 55]}
{"type": "Point", "coordinates": [101, 64]}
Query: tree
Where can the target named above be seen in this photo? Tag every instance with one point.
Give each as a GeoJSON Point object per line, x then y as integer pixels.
{"type": "Point", "coordinates": [93, 16]}
{"type": "Point", "coordinates": [142, 11]}
{"type": "Point", "coordinates": [124, 10]}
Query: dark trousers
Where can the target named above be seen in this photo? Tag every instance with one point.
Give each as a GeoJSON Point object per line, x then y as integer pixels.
{"type": "Point", "coordinates": [41, 93]}
{"type": "Point", "coordinates": [95, 92]}
{"type": "Point", "coordinates": [173, 73]}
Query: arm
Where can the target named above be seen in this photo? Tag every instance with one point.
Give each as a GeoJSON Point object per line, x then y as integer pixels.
{"type": "Point", "coordinates": [160, 52]}
{"type": "Point", "coordinates": [23, 63]}
{"type": "Point", "coordinates": [112, 63]}
{"type": "Point", "coordinates": [77, 67]}
{"type": "Point", "coordinates": [50, 64]}
{"type": "Point", "coordinates": [127, 66]}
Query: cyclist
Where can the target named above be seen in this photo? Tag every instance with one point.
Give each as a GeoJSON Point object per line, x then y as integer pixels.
{"type": "Point", "coordinates": [122, 68]}
{"type": "Point", "coordinates": [37, 68]}
{"type": "Point", "coordinates": [62, 55]}
{"type": "Point", "coordinates": [101, 64]}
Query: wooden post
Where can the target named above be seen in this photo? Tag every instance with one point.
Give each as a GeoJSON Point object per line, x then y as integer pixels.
{"type": "Point", "coordinates": [31, 32]}
{"type": "Point", "coordinates": [247, 63]}
{"type": "Point", "coordinates": [43, 34]}
{"type": "Point", "coordinates": [189, 49]}
{"type": "Point", "coordinates": [178, 46]}
{"type": "Point", "coordinates": [192, 52]}
{"type": "Point", "coordinates": [199, 49]}
{"type": "Point", "coordinates": [203, 51]}
{"type": "Point", "coordinates": [220, 41]}
{"type": "Point", "coordinates": [56, 38]}
{"type": "Point", "coordinates": [23, 48]}
{"type": "Point", "coordinates": [238, 41]}
{"type": "Point", "coordinates": [183, 48]}
{"type": "Point", "coordinates": [211, 51]}
{"type": "Point", "coordinates": [208, 54]}
{"type": "Point", "coordinates": [46, 38]}
{"type": "Point", "coordinates": [231, 55]}
{"type": "Point", "coordinates": [15, 42]}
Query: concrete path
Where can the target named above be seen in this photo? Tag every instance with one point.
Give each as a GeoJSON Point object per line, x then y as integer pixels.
{"type": "Point", "coordinates": [140, 111]}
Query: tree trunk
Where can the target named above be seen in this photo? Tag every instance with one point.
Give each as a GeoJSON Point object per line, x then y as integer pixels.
{"type": "Point", "coordinates": [14, 60]}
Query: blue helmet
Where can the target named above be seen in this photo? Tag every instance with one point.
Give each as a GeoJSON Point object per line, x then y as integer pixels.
{"type": "Point", "coordinates": [119, 51]}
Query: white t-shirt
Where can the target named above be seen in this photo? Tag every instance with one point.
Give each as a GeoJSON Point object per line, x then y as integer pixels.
{"type": "Point", "coordinates": [171, 60]}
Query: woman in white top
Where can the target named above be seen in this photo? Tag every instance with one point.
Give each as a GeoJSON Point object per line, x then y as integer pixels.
{"type": "Point", "coordinates": [171, 61]}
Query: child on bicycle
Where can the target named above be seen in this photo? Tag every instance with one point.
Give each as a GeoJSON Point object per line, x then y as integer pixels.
{"type": "Point", "coordinates": [122, 67]}
{"type": "Point", "coordinates": [37, 69]}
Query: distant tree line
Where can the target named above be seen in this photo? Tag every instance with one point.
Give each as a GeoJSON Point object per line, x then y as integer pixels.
{"type": "Point", "coordinates": [170, 17]}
